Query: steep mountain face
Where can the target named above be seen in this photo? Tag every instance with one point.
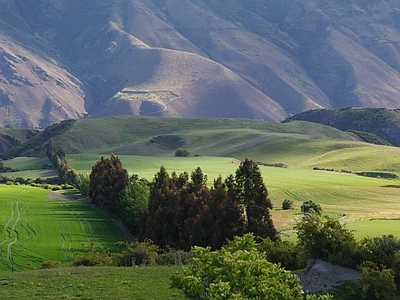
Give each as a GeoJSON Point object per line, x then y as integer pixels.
{"type": "Point", "coordinates": [195, 58]}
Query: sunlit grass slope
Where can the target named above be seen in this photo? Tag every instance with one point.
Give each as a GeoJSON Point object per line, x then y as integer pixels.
{"type": "Point", "coordinates": [208, 137]}
{"type": "Point", "coordinates": [34, 228]}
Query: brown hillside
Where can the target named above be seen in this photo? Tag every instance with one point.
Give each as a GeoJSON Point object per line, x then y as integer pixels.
{"type": "Point", "coordinates": [195, 58]}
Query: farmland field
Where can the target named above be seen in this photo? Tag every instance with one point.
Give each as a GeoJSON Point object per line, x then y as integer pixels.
{"type": "Point", "coordinates": [34, 228]}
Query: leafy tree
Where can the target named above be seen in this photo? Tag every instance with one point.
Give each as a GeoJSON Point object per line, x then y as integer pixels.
{"type": "Point", "coordinates": [251, 191]}
{"type": "Point", "coordinates": [327, 240]}
{"type": "Point", "coordinates": [182, 152]}
{"type": "Point", "coordinates": [133, 203]}
{"type": "Point", "coordinates": [383, 251]}
{"type": "Point", "coordinates": [107, 180]}
{"type": "Point", "coordinates": [286, 253]}
{"type": "Point", "coordinates": [84, 184]}
{"type": "Point", "coordinates": [375, 284]}
{"type": "Point", "coordinates": [237, 271]}
{"type": "Point", "coordinates": [287, 204]}
{"type": "Point", "coordinates": [311, 205]}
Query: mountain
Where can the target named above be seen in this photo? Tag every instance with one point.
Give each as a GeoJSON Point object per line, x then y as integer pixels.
{"type": "Point", "coordinates": [194, 58]}
{"type": "Point", "coordinates": [381, 122]}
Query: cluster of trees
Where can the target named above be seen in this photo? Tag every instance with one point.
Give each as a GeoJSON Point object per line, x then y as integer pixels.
{"type": "Point", "coordinates": [238, 271]}
{"type": "Point", "coordinates": [109, 186]}
{"type": "Point", "coordinates": [378, 258]}
{"type": "Point", "coordinates": [175, 211]}
{"type": "Point", "coordinates": [183, 213]}
{"type": "Point", "coordinates": [57, 157]}
{"type": "Point", "coordinates": [5, 169]}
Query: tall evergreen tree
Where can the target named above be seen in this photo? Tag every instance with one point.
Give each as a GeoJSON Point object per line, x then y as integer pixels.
{"type": "Point", "coordinates": [251, 191]}
{"type": "Point", "coordinates": [107, 180]}
{"type": "Point", "coordinates": [163, 221]}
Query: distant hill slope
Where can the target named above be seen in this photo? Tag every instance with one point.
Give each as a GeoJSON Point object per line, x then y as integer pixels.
{"type": "Point", "coordinates": [163, 136]}
{"type": "Point", "coordinates": [382, 122]}
{"type": "Point", "coordinates": [194, 58]}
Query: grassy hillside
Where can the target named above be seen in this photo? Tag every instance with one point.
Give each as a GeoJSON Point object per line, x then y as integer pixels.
{"type": "Point", "coordinates": [147, 283]}
{"type": "Point", "coordinates": [35, 228]}
{"type": "Point", "coordinates": [151, 135]}
{"type": "Point", "coordinates": [381, 122]}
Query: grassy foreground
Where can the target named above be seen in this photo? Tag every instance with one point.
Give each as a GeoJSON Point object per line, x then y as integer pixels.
{"type": "Point", "coordinates": [90, 283]}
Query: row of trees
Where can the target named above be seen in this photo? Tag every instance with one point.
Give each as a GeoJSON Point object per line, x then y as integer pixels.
{"type": "Point", "coordinates": [57, 157]}
{"type": "Point", "coordinates": [175, 211]}
{"type": "Point", "coordinates": [183, 213]}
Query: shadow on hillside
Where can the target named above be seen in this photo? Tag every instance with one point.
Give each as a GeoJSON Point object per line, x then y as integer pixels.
{"type": "Point", "coordinates": [395, 186]}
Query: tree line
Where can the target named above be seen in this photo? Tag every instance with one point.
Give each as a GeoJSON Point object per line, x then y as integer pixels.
{"type": "Point", "coordinates": [181, 211]}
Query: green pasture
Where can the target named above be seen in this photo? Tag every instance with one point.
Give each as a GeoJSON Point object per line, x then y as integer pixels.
{"type": "Point", "coordinates": [91, 283]}
{"type": "Point", "coordinates": [351, 197]}
{"type": "Point", "coordinates": [34, 228]}
{"type": "Point", "coordinates": [29, 167]}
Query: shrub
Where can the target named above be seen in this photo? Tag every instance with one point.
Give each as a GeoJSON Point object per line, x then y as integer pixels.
{"type": "Point", "coordinates": [311, 205]}
{"type": "Point", "coordinates": [182, 152]}
{"type": "Point", "coordinates": [237, 271]}
{"type": "Point", "coordinates": [327, 240]}
{"type": "Point", "coordinates": [287, 204]}
{"type": "Point", "coordinates": [50, 264]}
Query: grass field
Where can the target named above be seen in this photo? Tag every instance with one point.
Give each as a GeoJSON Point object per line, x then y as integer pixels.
{"type": "Point", "coordinates": [34, 228]}
{"type": "Point", "coordinates": [90, 283]}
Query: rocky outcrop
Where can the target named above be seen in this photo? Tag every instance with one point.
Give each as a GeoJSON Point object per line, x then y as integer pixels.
{"type": "Point", "coordinates": [320, 276]}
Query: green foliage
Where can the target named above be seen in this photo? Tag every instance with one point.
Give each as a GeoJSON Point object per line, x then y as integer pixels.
{"type": "Point", "coordinates": [311, 205]}
{"type": "Point", "coordinates": [237, 271]}
{"type": "Point", "coordinates": [133, 203]}
{"type": "Point", "coordinates": [50, 264]}
{"type": "Point", "coordinates": [84, 184]}
{"type": "Point", "coordinates": [287, 204]}
{"type": "Point", "coordinates": [57, 157]}
{"type": "Point", "coordinates": [250, 190]}
{"type": "Point", "coordinates": [182, 152]}
{"type": "Point", "coordinates": [107, 180]}
{"type": "Point", "coordinates": [181, 210]}
{"type": "Point", "coordinates": [286, 253]}
{"type": "Point", "coordinates": [327, 240]}
{"type": "Point", "coordinates": [4, 169]}
{"type": "Point", "coordinates": [375, 284]}
{"type": "Point", "coordinates": [138, 253]}
{"type": "Point", "coordinates": [93, 258]}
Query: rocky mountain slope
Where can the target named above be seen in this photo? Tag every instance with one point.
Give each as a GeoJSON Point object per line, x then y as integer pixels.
{"type": "Point", "coordinates": [194, 58]}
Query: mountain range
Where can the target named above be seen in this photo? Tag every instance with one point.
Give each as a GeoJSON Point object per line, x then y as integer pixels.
{"type": "Point", "coordinates": [259, 59]}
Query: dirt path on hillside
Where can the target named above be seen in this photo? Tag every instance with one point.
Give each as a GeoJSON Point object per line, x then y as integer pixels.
{"type": "Point", "coordinates": [57, 196]}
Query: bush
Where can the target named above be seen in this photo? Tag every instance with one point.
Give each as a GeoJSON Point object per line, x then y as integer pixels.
{"type": "Point", "coordinates": [50, 264]}
{"type": "Point", "coordinates": [375, 283]}
{"type": "Point", "coordinates": [237, 271]}
{"type": "Point", "coordinates": [311, 205]}
{"type": "Point", "coordinates": [327, 240]}
{"type": "Point", "coordinates": [287, 204]}
{"type": "Point", "coordinates": [182, 152]}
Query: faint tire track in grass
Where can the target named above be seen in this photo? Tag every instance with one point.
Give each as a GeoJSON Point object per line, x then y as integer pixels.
{"type": "Point", "coordinates": [7, 229]}
{"type": "Point", "coordinates": [69, 239]}
{"type": "Point", "coordinates": [63, 239]}
{"type": "Point", "coordinates": [16, 239]}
